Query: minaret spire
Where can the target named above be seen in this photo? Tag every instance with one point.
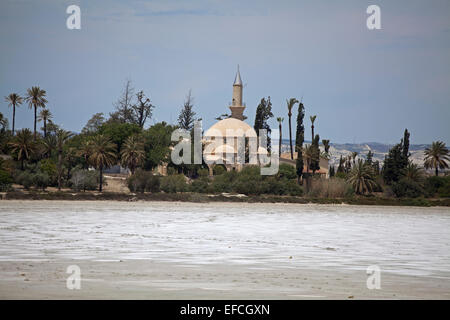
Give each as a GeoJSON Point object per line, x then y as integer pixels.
{"type": "Point", "coordinates": [237, 79]}
{"type": "Point", "coordinates": [237, 107]}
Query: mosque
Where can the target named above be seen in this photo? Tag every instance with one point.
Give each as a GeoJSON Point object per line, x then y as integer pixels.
{"type": "Point", "coordinates": [234, 128]}
{"type": "Point", "coordinates": [223, 140]}
{"type": "Point", "coordinates": [234, 133]}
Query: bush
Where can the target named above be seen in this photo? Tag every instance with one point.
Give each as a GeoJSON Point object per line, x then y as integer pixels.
{"type": "Point", "coordinates": [218, 170]}
{"type": "Point", "coordinates": [5, 180]}
{"type": "Point", "coordinates": [142, 181]}
{"type": "Point", "coordinates": [341, 175]}
{"type": "Point", "coordinates": [203, 172]}
{"type": "Point", "coordinates": [174, 183]}
{"type": "Point", "coordinates": [438, 185]}
{"type": "Point", "coordinates": [84, 180]}
{"type": "Point", "coordinates": [330, 188]}
{"type": "Point", "coordinates": [406, 188]}
{"type": "Point", "coordinates": [25, 178]}
{"type": "Point", "coordinates": [40, 180]}
{"type": "Point", "coordinates": [171, 171]}
{"type": "Point", "coordinates": [200, 185]}
{"type": "Point", "coordinates": [47, 166]}
{"type": "Point", "coordinates": [223, 182]}
{"type": "Point", "coordinates": [287, 171]}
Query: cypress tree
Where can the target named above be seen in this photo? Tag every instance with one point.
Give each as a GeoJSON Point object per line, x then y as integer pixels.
{"type": "Point", "coordinates": [299, 138]}
{"type": "Point", "coordinates": [263, 114]}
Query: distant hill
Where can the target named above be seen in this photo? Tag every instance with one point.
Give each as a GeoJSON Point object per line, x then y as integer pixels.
{"type": "Point", "coordinates": [379, 150]}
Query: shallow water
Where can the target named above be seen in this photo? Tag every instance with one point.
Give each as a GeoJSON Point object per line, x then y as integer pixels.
{"type": "Point", "coordinates": [406, 240]}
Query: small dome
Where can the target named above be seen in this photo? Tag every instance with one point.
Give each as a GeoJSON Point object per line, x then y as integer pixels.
{"type": "Point", "coordinates": [231, 127]}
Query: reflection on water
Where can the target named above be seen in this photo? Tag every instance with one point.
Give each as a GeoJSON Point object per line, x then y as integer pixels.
{"type": "Point", "coordinates": [399, 239]}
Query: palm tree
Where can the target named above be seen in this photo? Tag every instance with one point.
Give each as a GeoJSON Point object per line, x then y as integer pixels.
{"type": "Point", "coordinates": [326, 145]}
{"type": "Point", "coordinates": [354, 155]}
{"type": "Point", "coordinates": [103, 154]}
{"type": "Point", "coordinates": [44, 116]}
{"type": "Point", "coordinates": [36, 98]}
{"type": "Point", "coordinates": [310, 154]}
{"type": "Point", "coordinates": [361, 177]}
{"type": "Point", "coordinates": [280, 121]}
{"type": "Point", "coordinates": [133, 153]}
{"type": "Point", "coordinates": [84, 151]}
{"type": "Point", "coordinates": [412, 172]}
{"type": "Point", "coordinates": [312, 118]}
{"type": "Point", "coordinates": [48, 145]}
{"type": "Point", "coordinates": [70, 158]}
{"type": "Point", "coordinates": [290, 104]}
{"type": "Point", "coordinates": [23, 145]}
{"type": "Point", "coordinates": [437, 156]}
{"type": "Point", "coordinates": [14, 100]}
{"type": "Point", "coordinates": [61, 138]}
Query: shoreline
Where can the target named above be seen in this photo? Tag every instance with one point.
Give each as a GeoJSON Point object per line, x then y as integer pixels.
{"type": "Point", "coordinates": [214, 198]}
{"type": "Point", "coordinates": [149, 279]}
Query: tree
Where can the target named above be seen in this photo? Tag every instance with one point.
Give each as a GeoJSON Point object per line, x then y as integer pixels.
{"type": "Point", "coordinates": [142, 109]}
{"type": "Point", "coordinates": [61, 138]}
{"type": "Point", "coordinates": [331, 172]}
{"type": "Point", "coordinates": [48, 144]}
{"type": "Point", "coordinates": [361, 177]}
{"type": "Point", "coordinates": [102, 156]}
{"type": "Point", "coordinates": [36, 99]}
{"type": "Point", "coordinates": [412, 172]}
{"type": "Point", "coordinates": [340, 168]}
{"type": "Point", "coordinates": [44, 116]}
{"type": "Point", "coordinates": [405, 151]}
{"type": "Point", "coordinates": [280, 121]}
{"type": "Point", "coordinates": [369, 158]}
{"type": "Point", "coordinates": [326, 146]}
{"type": "Point", "coordinates": [315, 162]}
{"type": "Point", "coordinates": [84, 151]}
{"type": "Point", "coordinates": [94, 124]}
{"type": "Point", "coordinates": [396, 160]}
{"type": "Point", "coordinates": [299, 138]}
{"type": "Point", "coordinates": [187, 115]}
{"type": "Point", "coordinates": [70, 159]}
{"type": "Point", "coordinates": [436, 156]}
{"type": "Point", "coordinates": [290, 104]}
{"type": "Point", "coordinates": [354, 155]}
{"type": "Point", "coordinates": [263, 114]}
{"type": "Point", "coordinates": [133, 153]}
{"type": "Point", "coordinates": [14, 100]}
{"type": "Point", "coordinates": [119, 132]}
{"type": "Point", "coordinates": [124, 109]}
{"type": "Point", "coordinates": [157, 144]}
{"type": "Point", "coordinates": [312, 118]}
{"type": "Point", "coordinates": [23, 145]}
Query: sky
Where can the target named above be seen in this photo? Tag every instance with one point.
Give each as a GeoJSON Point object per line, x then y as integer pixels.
{"type": "Point", "coordinates": [363, 85]}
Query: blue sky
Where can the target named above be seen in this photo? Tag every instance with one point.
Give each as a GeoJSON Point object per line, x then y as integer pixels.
{"type": "Point", "coordinates": [363, 85]}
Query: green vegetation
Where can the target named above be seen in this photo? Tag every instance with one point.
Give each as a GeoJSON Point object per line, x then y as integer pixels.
{"type": "Point", "coordinates": [52, 157]}
{"type": "Point", "coordinates": [437, 156]}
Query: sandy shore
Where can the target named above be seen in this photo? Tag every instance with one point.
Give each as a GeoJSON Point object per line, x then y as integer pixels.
{"type": "Point", "coordinates": [163, 250]}
{"type": "Point", "coordinates": [143, 279]}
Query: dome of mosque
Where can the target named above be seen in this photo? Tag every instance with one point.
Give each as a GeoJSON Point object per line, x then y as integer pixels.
{"type": "Point", "coordinates": [231, 128]}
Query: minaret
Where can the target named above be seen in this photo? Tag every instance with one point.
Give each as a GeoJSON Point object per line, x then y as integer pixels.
{"type": "Point", "coordinates": [237, 108]}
